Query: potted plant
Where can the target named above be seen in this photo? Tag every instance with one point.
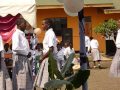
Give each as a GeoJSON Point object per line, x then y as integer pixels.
{"type": "Point", "coordinates": [58, 79]}
{"type": "Point", "coordinates": [108, 29]}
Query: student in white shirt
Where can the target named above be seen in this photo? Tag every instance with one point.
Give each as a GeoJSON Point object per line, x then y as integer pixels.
{"type": "Point", "coordinates": [87, 44]}
{"type": "Point", "coordinates": [60, 56]}
{"type": "Point", "coordinates": [115, 66]}
{"type": "Point", "coordinates": [49, 45]}
{"type": "Point", "coordinates": [22, 74]}
{"type": "Point", "coordinates": [34, 41]}
{"type": "Point", "coordinates": [95, 52]}
{"type": "Point", "coordinates": [68, 49]}
{"type": "Point", "coordinates": [5, 81]}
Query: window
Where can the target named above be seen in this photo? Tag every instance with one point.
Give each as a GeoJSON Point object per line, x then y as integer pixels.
{"type": "Point", "coordinates": [59, 24]}
{"type": "Point", "coordinates": [88, 26]}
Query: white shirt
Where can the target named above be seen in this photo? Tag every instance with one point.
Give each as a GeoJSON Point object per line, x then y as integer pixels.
{"type": "Point", "coordinates": [118, 39]}
{"type": "Point", "coordinates": [94, 44]}
{"type": "Point", "coordinates": [34, 42]}
{"type": "Point", "coordinates": [49, 41]}
{"type": "Point", "coordinates": [20, 44]}
{"type": "Point", "coordinates": [87, 42]}
{"type": "Point", "coordinates": [1, 44]}
{"type": "Point", "coordinates": [60, 54]}
{"type": "Point", "coordinates": [68, 51]}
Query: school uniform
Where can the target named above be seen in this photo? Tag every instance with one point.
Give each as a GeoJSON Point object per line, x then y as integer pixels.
{"type": "Point", "coordinates": [94, 50]}
{"type": "Point", "coordinates": [22, 75]}
{"type": "Point", "coordinates": [115, 66]}
{"type": "Point", "coordinates": [60, 58]}
{"type": "Point", "coordinates": [48, 41]}
{"type": "Point", "coordinates": [87, 43]}
{"type": "Point", "coordinates": [5, 81]}
{"type": "Point", "coordinates": [68, 51]}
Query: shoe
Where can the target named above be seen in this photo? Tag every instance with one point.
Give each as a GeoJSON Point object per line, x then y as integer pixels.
{"type": "Point", "coordinates": [99, 66]}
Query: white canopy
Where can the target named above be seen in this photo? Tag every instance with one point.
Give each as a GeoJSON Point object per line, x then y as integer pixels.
{"type": "Point", "coordinates": [27, 8]}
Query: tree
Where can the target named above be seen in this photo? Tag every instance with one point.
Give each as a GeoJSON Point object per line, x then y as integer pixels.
{"type": "Point", "coordinates": [107, 28]}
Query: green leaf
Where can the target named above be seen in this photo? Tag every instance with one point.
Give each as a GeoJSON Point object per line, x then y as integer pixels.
{"type": "Point", "coordinates": [54, 84]}
{"type": "Point", "coordinates": [67, 65]}
{"type": "Point", "coordinates": [52, 68]}
{"type": "Point", "coordinates": [107, 28]}
{"type": "Point", "coordinates": [79, 78]}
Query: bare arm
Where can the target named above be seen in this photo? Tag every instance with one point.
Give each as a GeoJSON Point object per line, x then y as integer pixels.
{"type": "Point", "coordinates": [47, 54]}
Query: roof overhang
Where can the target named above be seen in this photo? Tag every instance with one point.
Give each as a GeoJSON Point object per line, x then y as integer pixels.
{"type": "Point", "coordinates": [99, 5]}
{"type": "Point", "coordinates": [110, 11]}
{"type": "Point", "coordinates": [49, 6]}
{"type": "Point", "coordinates": [61, 6]}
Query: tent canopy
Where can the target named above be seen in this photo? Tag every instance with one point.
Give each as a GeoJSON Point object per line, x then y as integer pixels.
{"type": "Point", "coordinates": [27, 8]}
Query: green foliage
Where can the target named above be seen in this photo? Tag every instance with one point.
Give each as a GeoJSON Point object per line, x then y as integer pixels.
{"type": "Point", "coordinates": [79, 78]}
{"type": "Point", "coordinates": [52, 68]}
{"type": "Point", "coordinates": [67, 64]}
{"type": "Point", "coordinates": [71, 82]}
{"type": "Point", "coordinates": [53, 84]}
{"type": "Point", "coordinates": [107, 28]}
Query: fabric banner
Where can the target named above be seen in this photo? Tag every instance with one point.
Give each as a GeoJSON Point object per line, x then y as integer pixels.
{"type": "Point", "coordinates": [7, 27]}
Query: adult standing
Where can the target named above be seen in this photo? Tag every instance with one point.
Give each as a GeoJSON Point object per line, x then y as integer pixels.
{"type": "Point", "coordinates": [22, 75]}
{"type": "Point", "coordinates": [49, 45]}
{"type": "Point", "coordinates": [95, 52]}
{"type": "Point", "coordinates": [5, 81]}
{"type": "Point", "coordinates": [115, 66]}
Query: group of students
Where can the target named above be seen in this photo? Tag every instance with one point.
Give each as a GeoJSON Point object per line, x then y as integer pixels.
{"type": "Point", "coordinates": [30, 64]}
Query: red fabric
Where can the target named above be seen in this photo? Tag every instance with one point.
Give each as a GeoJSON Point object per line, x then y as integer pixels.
{"type": "Point", "coordinates": [7, 27]}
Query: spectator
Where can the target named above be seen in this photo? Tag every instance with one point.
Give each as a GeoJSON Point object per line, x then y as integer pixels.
{"type": "Point", "coordinates": [115, 66]}
{"type": "Point", "coordinates": [21, 65]}
{"type": "Point", "coordinates": [95, 52]}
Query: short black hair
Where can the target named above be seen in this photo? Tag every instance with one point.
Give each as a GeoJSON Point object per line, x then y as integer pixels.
{"type": "Point", "coordinates": [49, 22]}
{"type": "Point", "coordinates": [91, 38]}
{"type": "Point", "coordinates": [19, 21]}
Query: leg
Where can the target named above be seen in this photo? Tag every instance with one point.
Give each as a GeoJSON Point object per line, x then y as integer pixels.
{"type": "Point", "coordinates": [99, 64]}
{"type": "Point", "coordinates": [94, 62]}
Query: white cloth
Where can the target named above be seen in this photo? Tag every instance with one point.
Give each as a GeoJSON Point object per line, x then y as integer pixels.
{"type": "Point", "coordinates": [27, 8]}
{"type": "Point", "coordinates": [20, 44]}
{"type": "Point", "coordinates": [118, 39]}
{"type": "Point", "coordinates": [1, 44]}
{"type": "Point", "coordinates": [94, 44]}
{"type": "Point", "coordinates": [87, 42]}
{"type": "Point", "coordinates": [49, 41]}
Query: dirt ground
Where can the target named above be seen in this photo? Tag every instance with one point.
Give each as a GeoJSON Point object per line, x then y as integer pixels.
{"type": "Point", "coordinates": [100, 80]}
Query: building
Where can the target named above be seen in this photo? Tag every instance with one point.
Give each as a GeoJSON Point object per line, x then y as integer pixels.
{"type": "Point", "coordinates": [95, 12]}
